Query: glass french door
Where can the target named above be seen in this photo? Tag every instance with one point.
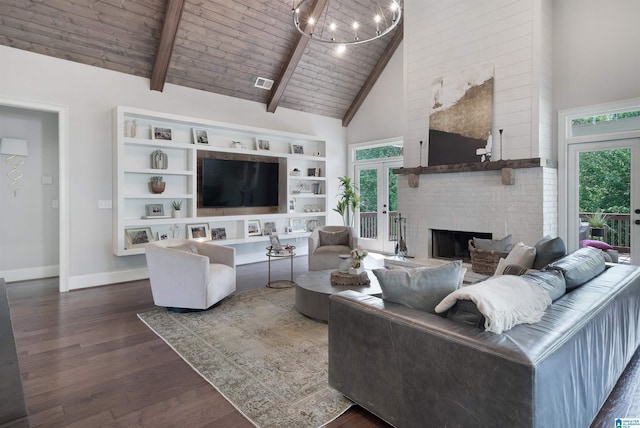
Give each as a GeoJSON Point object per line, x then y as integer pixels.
{"type": "Point", "coordinates": [377, 219]}
{"type": "Point", "coordinates": [604, 177]}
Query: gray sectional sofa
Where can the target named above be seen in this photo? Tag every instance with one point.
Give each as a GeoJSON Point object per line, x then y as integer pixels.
{"type": "Point", "coordinates": [416, 369]}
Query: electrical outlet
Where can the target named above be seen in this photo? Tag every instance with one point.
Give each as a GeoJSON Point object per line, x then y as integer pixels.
{"type": "Point", "coordinates": [104, 205]}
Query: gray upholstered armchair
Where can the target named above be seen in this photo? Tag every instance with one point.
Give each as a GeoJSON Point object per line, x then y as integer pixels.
{"type": "Point", "coordinates": [187, 274]}
{"type": "Point", "coordinates": [326, 243]}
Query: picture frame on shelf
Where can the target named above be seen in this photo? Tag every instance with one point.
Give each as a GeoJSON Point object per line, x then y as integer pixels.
{"type": "Point", "coordinates": [254, 228]}
{"type": "Point", "coordinates": [218, 233]}
{"type": "Point", "coordinates": [313, 172]}
{"type": "Point", "coordinates": [297, 225]}
{"type": "Point", "coordinates": [304, 187]}
{"type": "Point", "coordinates": [154, 210]}
{"type": "Point", "coordinates": [311, 225]}
{"type": "Point", "coordinates": [161, 133]}
{"type": "Point", "coordinates": [198, 231]}
{"type": "Point", "coordinates": [164, 233]}
{"type": "Point", "coordinates": [262, 144]}
{"type": "Point", "coordinates": [200, 136]}
{"type": "Point", "coordinates": [137, 237]}
{"type": "Point", "coordinates": [297, 149]}
{"type": "Point", "coordinates": [269, 228]}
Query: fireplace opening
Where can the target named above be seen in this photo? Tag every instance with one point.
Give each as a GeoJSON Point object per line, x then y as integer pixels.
{"type": "Point", "coordinates": [453, 245]}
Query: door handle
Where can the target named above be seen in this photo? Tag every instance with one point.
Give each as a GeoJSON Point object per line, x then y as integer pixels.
{"type": "Point", "coordinates": [637, 211]}
{"type": "Point", "coordinates": [384, 212]}
{"type": "Point", "coordinates": [637, 222]}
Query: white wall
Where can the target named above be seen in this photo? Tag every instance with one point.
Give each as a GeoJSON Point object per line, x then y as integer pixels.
{"type": "Point", "coordinates": [28, 221]}
{"type": "Point", "coordinates": [596, 52]}
{"type": "Point", "coordinates": [382, 113]}
{"type": "Point", "coordinates": [90, 94]}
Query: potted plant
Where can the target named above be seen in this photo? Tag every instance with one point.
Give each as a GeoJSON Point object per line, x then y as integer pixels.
{"type": "Point", "coordinates": [156, 184]}
{"type": "Point", "coordinates": [598, 223]}
{"type": "Point", "coordinates": [349, 200]}
{"type": "Point", "coordinates": [177, 209]}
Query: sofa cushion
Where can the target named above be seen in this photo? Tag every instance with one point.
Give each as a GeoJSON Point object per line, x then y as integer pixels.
{"type": "Point", "coordinates": [419, 288]}
{"type": "Point", "coordinates": [601, 245]}
{"type": "Point", "coordinates": [501, 245]}
{"type": "Point", "coordinates": [521, 255]}
{"type": "Point", "coordinates": [580, 266]}
{"type": "Point", "coordinates": [334, 238]}
{"type": "Point", "coordinates": [552, 281]}
{"type": "Point", "coordinates": [548, 250]}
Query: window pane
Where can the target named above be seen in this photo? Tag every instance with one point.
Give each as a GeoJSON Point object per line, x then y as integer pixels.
{"type": "Point", "coordinates": [606, 123]}
{"type": "Point", "coordinates": [379, 152]}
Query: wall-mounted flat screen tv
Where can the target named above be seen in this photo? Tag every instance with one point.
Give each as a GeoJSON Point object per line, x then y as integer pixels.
{"type": "Point", "coordinates": [239, 183]}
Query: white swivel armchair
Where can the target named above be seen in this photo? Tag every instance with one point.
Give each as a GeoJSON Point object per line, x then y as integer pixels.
{"type": "Point", "coordinates": [326, 243]}
{"type": "Point", "coordinates": [187, 274]}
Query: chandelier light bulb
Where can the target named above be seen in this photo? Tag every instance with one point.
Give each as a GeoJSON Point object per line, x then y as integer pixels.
{"type": "Point", "coordinates": [355, 25]}
{"type": "Point", "coordinates": [341, 48]}
{"type": "Point", "coordinates": [311, 21]}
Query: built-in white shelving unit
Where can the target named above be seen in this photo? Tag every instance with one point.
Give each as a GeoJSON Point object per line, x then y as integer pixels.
{"type": "Point", "coordinates": [302, 175]}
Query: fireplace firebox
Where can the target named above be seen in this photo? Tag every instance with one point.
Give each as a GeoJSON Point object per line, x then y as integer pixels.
{"type": "Point", "coordinates": [452, 244]}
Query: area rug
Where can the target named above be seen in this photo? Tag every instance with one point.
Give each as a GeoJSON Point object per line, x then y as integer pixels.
{"type": "Point", "coordinates": [267, 359]}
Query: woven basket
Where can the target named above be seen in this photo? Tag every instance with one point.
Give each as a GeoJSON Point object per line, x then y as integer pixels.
{"type": "Point", "coordinates": [484, 261]}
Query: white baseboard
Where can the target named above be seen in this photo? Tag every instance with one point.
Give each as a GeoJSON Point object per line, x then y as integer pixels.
{"type": "Point", "coordinates": [27, 274]}
{"type": "Point", "coordinates": [94, 280]}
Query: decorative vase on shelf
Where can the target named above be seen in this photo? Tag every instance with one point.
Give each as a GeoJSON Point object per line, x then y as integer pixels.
{"type": "Point", "coordinates": [177, 213]}
{"type": "Point", "coordinates": [156, 185]}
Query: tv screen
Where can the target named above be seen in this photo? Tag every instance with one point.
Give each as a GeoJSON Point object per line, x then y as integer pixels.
{"type": "Point", "coordinates": [239, 183]}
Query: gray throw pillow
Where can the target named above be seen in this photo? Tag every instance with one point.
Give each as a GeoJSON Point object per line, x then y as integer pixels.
{"type": "Point", "coordinates": [501, 245]}
{"type": "Point", "coordinates": [334, 238]}
{"type": "Point", "coordinates": [548, 250]}
{"type": "Point", "coordinates": [419, 288]}
{"type": "Point", "coordinates": [580, 266]}
{"type": "Point", "coordinates": [552, 281]}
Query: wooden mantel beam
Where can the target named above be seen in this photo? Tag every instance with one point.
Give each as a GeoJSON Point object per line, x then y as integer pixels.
{"type": "Point", "coordinates": [292, 62]}
{"type": "Point", "coordinates": [375, 73]}
{"type": "Point", "coordinates": [165, 44]}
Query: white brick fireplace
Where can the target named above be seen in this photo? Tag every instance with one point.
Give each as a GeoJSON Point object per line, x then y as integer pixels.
{"type": "Point", "coordinates": [477, 201]}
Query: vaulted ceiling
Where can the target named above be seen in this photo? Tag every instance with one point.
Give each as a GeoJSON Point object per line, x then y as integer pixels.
{"type": "Point", "coordinates": [219, 46]}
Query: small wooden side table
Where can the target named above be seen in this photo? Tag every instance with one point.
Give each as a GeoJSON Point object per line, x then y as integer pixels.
{"type": "Point", "coordinates": [280, 254]}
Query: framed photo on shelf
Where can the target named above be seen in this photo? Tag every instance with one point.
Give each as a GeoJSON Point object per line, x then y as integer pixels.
{"type": "Point", "coordinates": [313, 172]}
{"type": "Point", "coordinates": [161, 133]}
{"type": "Point", "coordinates": [262, 144]}
{"type": "Point", "coordinates": [218, 233]}
{"type": "Point", "coordinates": [269, 228]}
{"type": "Point", "coordinates": [275, 242]}
{"type": "Point", "coordinates": [198, 231]}
{"type": "Point", "coordinates": [200, 136]}
{"type": "Point", "coordinates": [154, 210]}
{"type": "Point", "coordinates": [297, 225]}
{"type": "Point", "coordinates": [137, 237]}
{"type": "Point", "coordinates": [297, 149]}
{"type": "Point", "coordinates": [164, 233]}
{"type": "Point", "coordinates": [253, 228]}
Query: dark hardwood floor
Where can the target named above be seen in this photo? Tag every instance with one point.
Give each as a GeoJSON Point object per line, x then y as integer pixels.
{"type": "Point", "coordinates": [87, 361]}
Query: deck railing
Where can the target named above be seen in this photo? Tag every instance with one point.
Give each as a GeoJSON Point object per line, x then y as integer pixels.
{"type": "Point", "coordinates": [369, 225]}
{"type": "Point", "coordinates": [617, 233]}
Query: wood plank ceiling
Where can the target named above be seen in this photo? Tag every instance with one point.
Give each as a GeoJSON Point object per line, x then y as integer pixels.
{"type": "Point", "coordinates": [219, 46]}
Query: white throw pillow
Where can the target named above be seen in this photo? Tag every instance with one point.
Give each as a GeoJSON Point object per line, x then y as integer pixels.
{"type": "Point", "coordinates": [521, 255]}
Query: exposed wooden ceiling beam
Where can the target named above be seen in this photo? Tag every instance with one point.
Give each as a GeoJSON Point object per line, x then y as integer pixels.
{"type": "Point", "coordinates": [292, 62]}
{"type": "Point", "coordinates": [165, 44]}
{"type": "Point", "coordinates": [375, 73]}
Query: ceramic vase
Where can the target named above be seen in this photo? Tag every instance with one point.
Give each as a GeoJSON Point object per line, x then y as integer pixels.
{"type": "Point", "coordinates": [157, 186]}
